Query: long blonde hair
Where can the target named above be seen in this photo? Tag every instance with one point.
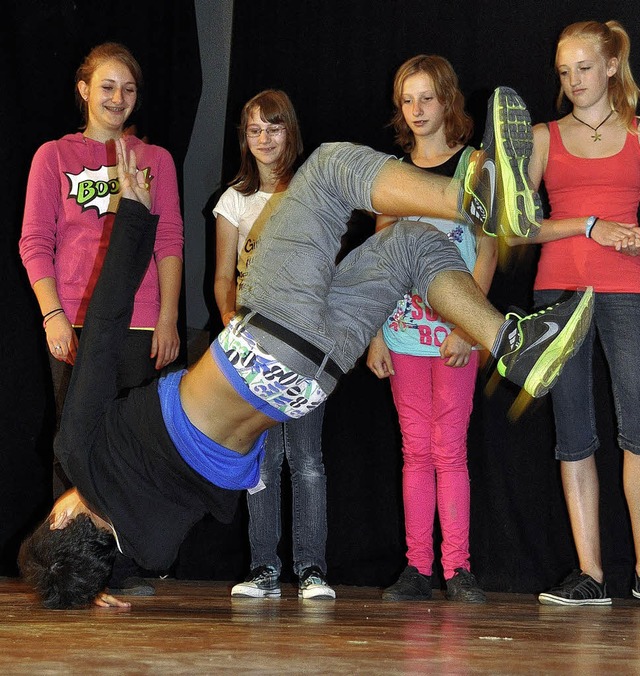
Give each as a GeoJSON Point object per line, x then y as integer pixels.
{"type": "Point", "coordinates": [612, 41]}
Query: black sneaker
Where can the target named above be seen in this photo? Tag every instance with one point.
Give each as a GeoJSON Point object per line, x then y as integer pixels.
{"type": "Point", "coordinates": [132, 586]}
{"type": "Point", "coordinates": [464, 587]}
{"type": "Point", "coordinates": [635, 590]}
{"type": "Point", "coordinates": [579, 589]}
{"type": "Point", "coordinates": [496, 194]}
{"type": "Point", "coordinates": [411, 586]}
{"type": "Point", "coordinates": [313, 585]}
{"type": "Point", "coordinates": [536, 348]}
{"type": "Point", "coordinates": [127, 578]}
{"type": "Point", "coordinates": [261, 582]}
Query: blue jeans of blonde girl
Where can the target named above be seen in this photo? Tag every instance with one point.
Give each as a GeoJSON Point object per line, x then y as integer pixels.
{"type": "Point", "coordinates": [301, 442]}
{"type": "Point", "coordinates": [434, 403]}
{"type": "Point", "coordinates": [616, 318]}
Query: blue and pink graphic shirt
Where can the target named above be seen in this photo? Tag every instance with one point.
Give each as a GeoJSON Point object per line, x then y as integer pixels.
{"type": "Point", "coordinates": [415, 328]}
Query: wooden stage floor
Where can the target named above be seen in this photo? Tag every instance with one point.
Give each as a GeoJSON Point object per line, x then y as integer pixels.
{"type": "Point", "coordinates": [196, 628]}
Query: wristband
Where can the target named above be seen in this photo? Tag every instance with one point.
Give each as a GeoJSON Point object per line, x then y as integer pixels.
{"type": "Point", "coordinates": [51, 315]}
{"type": "Point", "coordinates": [591, 221]}
{"type": "Point", "coordinates": [44, 316]}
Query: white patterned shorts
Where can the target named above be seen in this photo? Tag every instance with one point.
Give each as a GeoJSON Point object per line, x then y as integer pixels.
{"type": "Point", "coordinates": [267, 378]}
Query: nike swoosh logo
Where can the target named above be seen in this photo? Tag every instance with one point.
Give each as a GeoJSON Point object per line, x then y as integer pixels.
{"type": "Point", "coordinates": [552, 329]}
{"type": "Point", "coordinates": [490, 167]}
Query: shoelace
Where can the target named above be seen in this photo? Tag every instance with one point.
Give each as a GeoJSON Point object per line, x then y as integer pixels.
{"type": "Point", "coordinates": [313, 579]}
{"type": "Point", "coordinates": [518, 317]}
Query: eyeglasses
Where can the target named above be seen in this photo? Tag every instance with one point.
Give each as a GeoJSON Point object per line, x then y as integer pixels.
{"type": "Point", "coordinates": [254, 132]}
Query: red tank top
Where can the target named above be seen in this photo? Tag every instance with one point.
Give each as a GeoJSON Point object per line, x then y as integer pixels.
{"type": "Point", "coordinates": [607, 187]}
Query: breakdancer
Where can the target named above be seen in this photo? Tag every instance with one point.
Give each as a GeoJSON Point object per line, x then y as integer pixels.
{"type": "Point", "coordinates": [147, 465]}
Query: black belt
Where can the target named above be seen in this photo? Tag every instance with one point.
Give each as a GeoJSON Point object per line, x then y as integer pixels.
{"type": "Point", "coordinates": [293, 340]}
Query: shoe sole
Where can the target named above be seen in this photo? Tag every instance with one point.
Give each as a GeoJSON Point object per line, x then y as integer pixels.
{"type": "Point", "coordinates": [547, 599]}
{"type": "Point", "coordinates": [477, 599]}
{"type": "Point", "coordinates": [519, 205]}
{"type": "Point", "coordinates": [547, 368]}
{"type": "Point", "coordinates": [256, 594]}
{"type": "Point", "coordinates": [635, 593]}
{"type": "Point", "coordinates": [320, 596]}
{"type": "Point", "coordinates": [478, 212]}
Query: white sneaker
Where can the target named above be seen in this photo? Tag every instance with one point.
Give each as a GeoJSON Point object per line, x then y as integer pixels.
{"type": "Point", "coordinates": [313, 585]}
{"type": "Point", "coordinates": [262, 582]}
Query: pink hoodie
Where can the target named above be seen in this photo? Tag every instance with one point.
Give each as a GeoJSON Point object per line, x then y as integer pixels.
{"type": "Point", "coordinates": [72, 196]}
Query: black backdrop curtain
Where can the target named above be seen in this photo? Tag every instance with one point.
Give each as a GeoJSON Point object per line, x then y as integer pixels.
{"type": "Point", "coordinates": [336, 60]}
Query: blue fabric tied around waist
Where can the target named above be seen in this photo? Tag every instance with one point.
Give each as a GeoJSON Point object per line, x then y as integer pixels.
{"type": "Point", "coordinates": [218, 464]}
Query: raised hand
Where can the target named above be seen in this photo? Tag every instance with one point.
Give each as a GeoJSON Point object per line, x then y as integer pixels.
{"type": "Point", "coordinates": [133, 185]}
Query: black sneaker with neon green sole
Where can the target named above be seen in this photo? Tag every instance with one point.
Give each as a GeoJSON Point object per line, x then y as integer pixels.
{"type": "Point", "coordinates": [496, 194]}
{"type": "Point", "coordinates": [535, 348]}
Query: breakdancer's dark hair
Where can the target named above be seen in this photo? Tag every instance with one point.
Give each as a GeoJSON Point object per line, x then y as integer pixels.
{"type": "Point", "coordinates": [67, 567]}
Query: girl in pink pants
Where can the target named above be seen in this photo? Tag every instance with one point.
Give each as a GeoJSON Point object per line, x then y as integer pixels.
{"type": "Point", "coordinates": [432, 364]}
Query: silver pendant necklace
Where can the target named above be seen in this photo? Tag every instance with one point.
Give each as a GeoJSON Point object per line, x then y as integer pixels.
{"type": "Point", "coordinates": [596, 136]}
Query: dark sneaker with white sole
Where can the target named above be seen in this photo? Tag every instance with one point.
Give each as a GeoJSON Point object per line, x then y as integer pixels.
{"type": "Point", "coordinates": [262, 582]}
{"type": "Point", "coordinates": [578, 589]}
{"type": "Point", "coordinates": [496, 193]}
{"type": "Point", "coordinates": [635, 590]}
{"type": "Point", "coordinates": [313, 585]}
{"type": "Point", "coordinates": [535, 348]}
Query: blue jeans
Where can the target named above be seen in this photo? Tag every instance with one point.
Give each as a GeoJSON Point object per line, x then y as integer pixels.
{"type": "Point", "coordinates": [616, 319]}
{"type": "Point", "coordinates": [293, 279]}
{"type": "Point", "coordinates": [301, 441]}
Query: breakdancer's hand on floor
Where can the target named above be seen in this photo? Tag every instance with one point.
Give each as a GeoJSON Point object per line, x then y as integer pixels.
{"type": "Point", "coordinates": [104, 600]}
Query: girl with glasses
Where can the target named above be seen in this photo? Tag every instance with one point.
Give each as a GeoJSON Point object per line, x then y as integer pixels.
{"type": "Point", "coordinates": [270, 150]}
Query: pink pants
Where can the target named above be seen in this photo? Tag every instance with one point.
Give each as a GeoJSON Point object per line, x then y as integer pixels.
{"type": "Point", "coordinates": [434, 405]}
